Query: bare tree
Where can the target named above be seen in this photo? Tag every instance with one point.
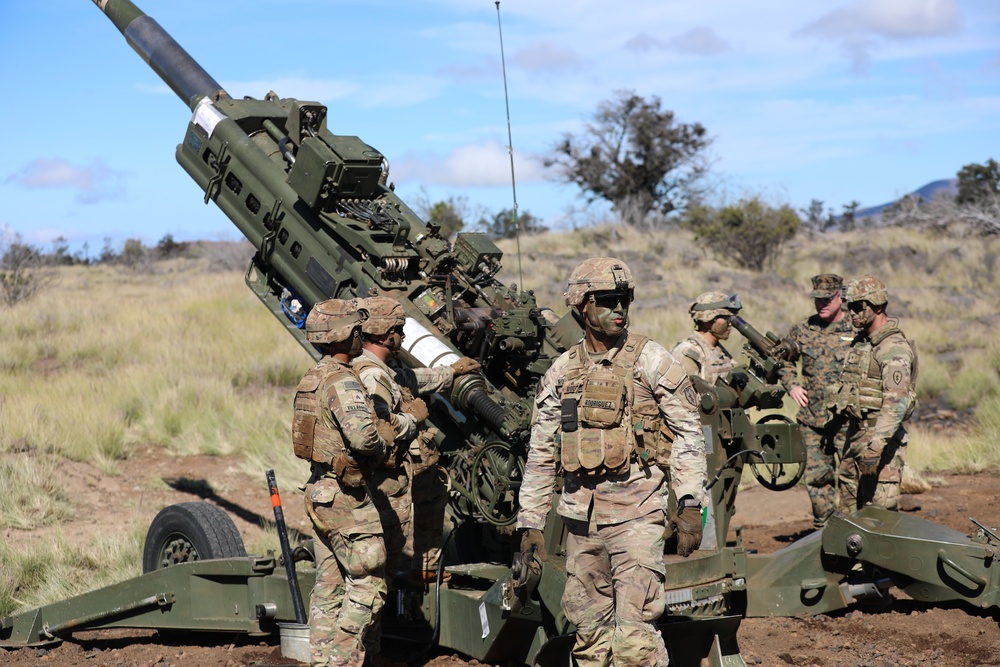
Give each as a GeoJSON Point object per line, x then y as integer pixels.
{"type": "Point", "coordinates": [635, 156]}
{"type": "Point", "coordinates": [946, 214]}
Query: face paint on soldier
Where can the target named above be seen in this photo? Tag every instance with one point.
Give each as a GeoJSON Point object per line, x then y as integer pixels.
{"type": "Point", "coordinates": [607, 312]}
{"type": "Point", "coordinates": [722, 326]}
{"type": "Point", "coordinates": [862, 314]}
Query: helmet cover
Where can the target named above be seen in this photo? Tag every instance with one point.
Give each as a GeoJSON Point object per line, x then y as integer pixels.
{"type": "Point", "coordinates": [867, 288]}
{"type": "Point", "coordinates": [706, 307]}
{"type": "Point", "coordinates": [334, 320]}
{"type": "Point", "coordinates": [598, 274]}
{"type": "Point", "coordinates": [384, 314]}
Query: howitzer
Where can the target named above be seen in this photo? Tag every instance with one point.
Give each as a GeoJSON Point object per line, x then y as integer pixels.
{"type": "Point", "coordinates": [325, 222]}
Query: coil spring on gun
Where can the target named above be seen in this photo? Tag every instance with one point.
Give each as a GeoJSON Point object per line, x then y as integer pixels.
{"type": "Point", "coordinates": [394, 268]}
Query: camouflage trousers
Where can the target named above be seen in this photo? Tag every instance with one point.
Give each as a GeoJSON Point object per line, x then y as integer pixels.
{"type": "Point", "coordinates": [430, 497]}
{"type": "Point", "coordinates": [391, 493]}
{"type": "Point", "coordinates": [350, 585]}
{"type": "Point", "coordinates": [820, 476]}
{"type": "Point", "coordinates": [855, 491]}
{"type": "Point", "coordinates": [614, 592]}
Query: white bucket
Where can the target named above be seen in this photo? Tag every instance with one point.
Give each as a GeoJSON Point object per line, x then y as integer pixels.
{"type": "Point", "coordinates": [295, 641]}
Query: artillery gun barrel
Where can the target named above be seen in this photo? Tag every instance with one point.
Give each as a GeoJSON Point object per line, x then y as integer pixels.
{"type": "Point", "coordinates": [159, 50]}
{"type": "Point", "coordinates": [768, 345]}
{"type": "Point", "coordinates": [760, 342]}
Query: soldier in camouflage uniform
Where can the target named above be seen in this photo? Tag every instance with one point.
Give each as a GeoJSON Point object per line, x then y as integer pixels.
{"type": "Point", "coordinates": [875, 394]}
{"type": "Point", "coordinates": [334, 429]}
{"type": "Point", "coordinates": [412, 456]}
{"type": "Point", "coordinates": [601, 415]}
{"type": "Point", "coordinates": [822, 341]}
{"type": "Point", "coordinates": [701, 353]}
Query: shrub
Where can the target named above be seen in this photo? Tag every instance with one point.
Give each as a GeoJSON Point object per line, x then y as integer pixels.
{"type": "Point", "coordinates": [750, 233]}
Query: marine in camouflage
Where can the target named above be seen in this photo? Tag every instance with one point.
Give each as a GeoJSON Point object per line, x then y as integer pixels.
{"type": "Point", "coordinates": [822, 349]}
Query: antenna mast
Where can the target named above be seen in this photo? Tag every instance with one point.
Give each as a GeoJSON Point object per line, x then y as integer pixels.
{"type": "Point", "coordinates": [510, 150]}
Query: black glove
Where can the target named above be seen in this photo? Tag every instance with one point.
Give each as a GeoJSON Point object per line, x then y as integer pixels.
{"type": "Point", "coordinates": [532, 539]}
{"type": "Point", "coordinates": [687, 525]}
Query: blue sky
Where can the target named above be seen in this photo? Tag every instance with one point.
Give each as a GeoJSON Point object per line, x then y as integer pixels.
{"type": "Point", "coordinates": [836, 100]}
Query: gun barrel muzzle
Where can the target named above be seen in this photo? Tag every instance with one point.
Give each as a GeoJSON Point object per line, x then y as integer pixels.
{"type": "Point", "coordinates": [164, 55]}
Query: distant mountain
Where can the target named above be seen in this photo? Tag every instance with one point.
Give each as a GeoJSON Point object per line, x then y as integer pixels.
{"type": "Point", "coordinates": [933, 189]}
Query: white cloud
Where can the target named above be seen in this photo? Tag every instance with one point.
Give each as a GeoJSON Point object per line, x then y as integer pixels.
{"type": "Point", "coordinates": [699, 41]}
{"type": "Point", "coordinates": [92, 184]}
{"type": "Point", "coordinates": [471, 165]}
{"type": "Point", "coordinates": [892, 19]}
{"type": "Point", "coordinates": [861, 26]}
{"type": "Point", "coordinates": [547, 57]}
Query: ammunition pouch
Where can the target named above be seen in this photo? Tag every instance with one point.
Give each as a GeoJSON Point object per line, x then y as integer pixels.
{"type": "Point", "coordinates": [424, 453]}
{"type": "Point", "coordinates": [347, 471]}
{"type": "Point", "coordinates": [654, 440]}
{"type": "Point", "coordinates": [395, 453]}
{"type": "Point", "coordinates": [597, 435]}
{"type": "Point", "coordinates": [312, 438]}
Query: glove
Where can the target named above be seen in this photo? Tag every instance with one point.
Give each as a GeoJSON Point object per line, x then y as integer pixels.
{"type": "Point", "coordinates": [347, 470]}
{"type": "Point", "coordinates": [416, 409]}
{"type": "Point", "coordinates": [869, 457]}
{"type": "Point", "coordinates": [687, 525]}
{"type": "Point", "coordinates": [386, 431]}
{"type": "Point", "coordinates": [533, 537]}
{"type": "Point", "coordinates": [868, 463]}
{"type": "Point", "coordinates": [668, 530]}
{"type": "Point", "coordinates": [464, 366]}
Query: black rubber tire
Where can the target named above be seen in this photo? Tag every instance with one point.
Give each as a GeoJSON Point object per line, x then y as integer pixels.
{"type": "Point", "coordinates": [188, 532]}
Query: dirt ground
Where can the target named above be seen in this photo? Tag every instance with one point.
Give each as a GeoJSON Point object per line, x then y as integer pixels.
{"type": "Point", "coordinates": [905, 634]}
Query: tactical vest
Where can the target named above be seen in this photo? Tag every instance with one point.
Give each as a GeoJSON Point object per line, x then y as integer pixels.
{"type": "Point", "coordinates": [395, 453]}
{"type": "Point", "coordinates": [859, 391]}
{"type": "Point", "coordinates": [702, 354]}
{"type": "Point", "coordinates": [600, 424]}
{"type": "Point", "coordinates": [312, 438]}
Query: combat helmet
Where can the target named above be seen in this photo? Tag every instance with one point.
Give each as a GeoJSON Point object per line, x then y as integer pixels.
{"type": "Point", "coordinates": [384, 314]}
{"type": "Point", "coordinates": [706, 307]}
{"type": "Point", "coordinates": [866, 288]}
{"type": "Point", "coordinates": [334, 320]}
{"type": "Point", "coordinates": [598, 274]}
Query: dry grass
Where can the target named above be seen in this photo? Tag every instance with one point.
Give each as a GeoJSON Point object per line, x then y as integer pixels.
{"type": "Point", "coordinates": [185, 356]}
{"type": "Point", "coordinates": [943, 290]}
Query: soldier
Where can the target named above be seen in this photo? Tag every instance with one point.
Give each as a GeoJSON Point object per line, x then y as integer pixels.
{"type": "Point", "coordinates": [600, 414]}
{"type": "Point", "coordinates": [822, 341]}
{"type": "Point", "coordinates": [875, 394]}
{"type": "Point", "coordinates": [334, 428]}
{"type": "Point", "coordinates": [412, 457]}
{"type": "Point", "coordinates": [701, 353]}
